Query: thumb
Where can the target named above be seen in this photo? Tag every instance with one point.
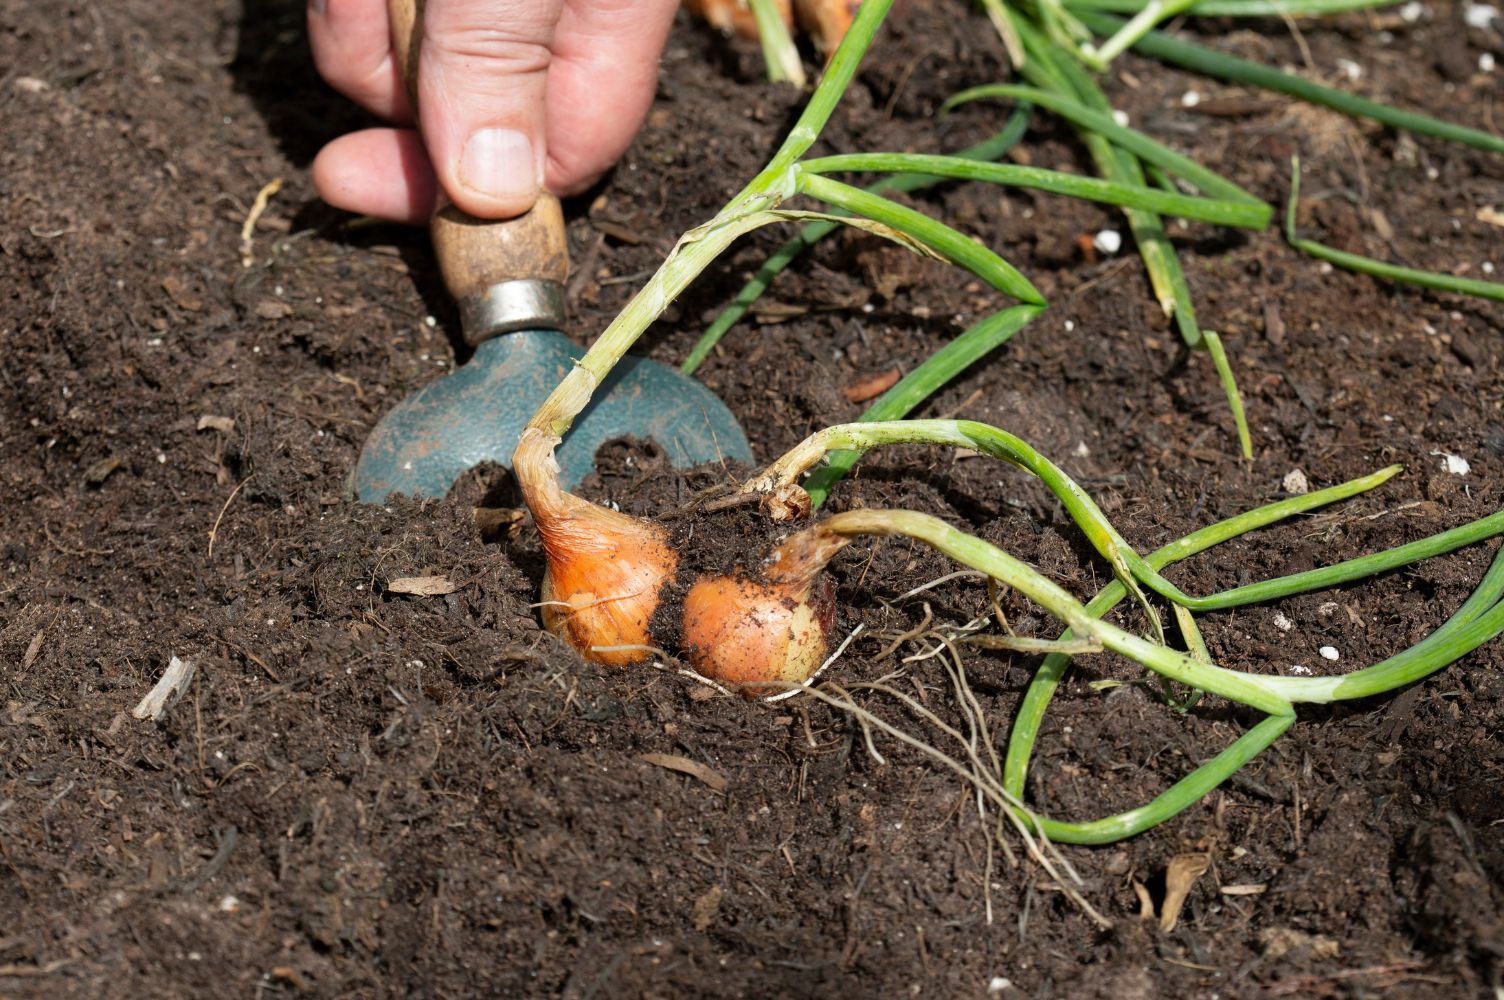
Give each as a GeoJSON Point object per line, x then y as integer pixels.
{"type": "Point", "coordinates": [481, 83]}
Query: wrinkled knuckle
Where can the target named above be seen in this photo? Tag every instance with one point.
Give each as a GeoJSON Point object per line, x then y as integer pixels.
{"type": "Point", "coordinates": [507, 48]}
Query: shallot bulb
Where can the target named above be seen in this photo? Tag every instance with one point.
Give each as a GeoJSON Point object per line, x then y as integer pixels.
{"type": "Point", "coordinates": [606, 570]}
{"type": "Point", "coordinates": [764, 630]}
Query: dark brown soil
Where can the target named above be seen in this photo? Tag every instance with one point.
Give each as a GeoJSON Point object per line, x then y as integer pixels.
{"type": "Point", "coordinates": [368, 794]}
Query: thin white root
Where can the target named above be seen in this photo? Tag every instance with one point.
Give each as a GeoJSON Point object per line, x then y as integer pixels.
{"type": "Point", "coordinates": [248, 228]}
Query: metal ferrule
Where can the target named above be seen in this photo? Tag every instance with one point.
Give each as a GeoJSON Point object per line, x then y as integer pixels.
{"type": "Point", "coordinates": [523, 304]}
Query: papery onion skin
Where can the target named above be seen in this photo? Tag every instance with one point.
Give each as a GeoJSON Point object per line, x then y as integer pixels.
{"type": "Point", "coordinates": [605, 574]}
{"type": "Point", "coordinates": [756, 635]}
{"type": "Point", "coordinates": [606, 570]}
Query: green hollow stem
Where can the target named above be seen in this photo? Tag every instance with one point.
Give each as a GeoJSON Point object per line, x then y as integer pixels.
{"type": "Point", "coordinates": [1480, 619]}
{"type": "Point", "coordinates": [1343, 572]}
{"type": "Point", "coordinates": [1239, 8]}
{"type": "Point", "coordinates": [859, 437]}
{"type": "Point", "coordinates": [1172, 801]}
{"type": "Point", "coordinates": [1094, 524]}
{"type": "Point", "coordinates": [1378, 269]}
{"type": "Point", "coordinates": [1153, 13]}
{"type": "Point", "coordinates": [1223, 364]}
{"type": "Point", "coordinates": [696, 249]}
{"type": "Point", "coordinates": [1405, 275]}
{"type": "Point", "coordinates": [1398, 671]}
{"type": "Point", "coordinates": [1002, 22]}
{"type": "Point", "coordinates": [1208, 182]}
{"type": "Point", "coordinates": [1197, 58]}
{"type": "Point", "coordinates": [1116, 151]}
{"type": "Point", "coordinates": [1238, 213]}
{"type": "Point", "coordinates": [998, 443]}
{"type": "Point", "coordinates": [936, 236]}
{"type": "Point", "coordinates": [918, 385]}
{"type": "Point", "coordinates": [980, 555]}
{"type": "Point", "coordinates": [778, 51]}
{"type": "Point", "coordinates": [813, 232]}
{"type": "Point", "coordinates": [1047, 678]}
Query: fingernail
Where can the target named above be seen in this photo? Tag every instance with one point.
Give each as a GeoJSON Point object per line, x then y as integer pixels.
{"type": "Point", "coordinates": [499, 162]}
{"type": "Point", "coordinates": [316, 7]}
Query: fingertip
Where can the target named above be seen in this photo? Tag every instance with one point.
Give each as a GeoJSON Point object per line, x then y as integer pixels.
{"type": "Point", "coordinates": [498, 175]}
{"type": "Point", "coordinates": [380, 172]}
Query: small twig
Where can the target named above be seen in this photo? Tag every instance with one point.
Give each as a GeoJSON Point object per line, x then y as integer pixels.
{"type": "Point", "coordinates": [227, 841]}
{"type": "Point", "coordinates": [214, 531]}
{"type": "Point", "coordinates": [168, 690]}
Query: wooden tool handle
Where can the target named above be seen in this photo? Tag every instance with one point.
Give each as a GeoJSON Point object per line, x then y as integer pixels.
{"type": "Point", "coordinates": [476, 255]}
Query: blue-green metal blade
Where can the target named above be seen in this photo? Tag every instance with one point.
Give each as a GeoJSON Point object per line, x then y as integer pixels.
{"type": "Point", "coordinates": [476, 413]}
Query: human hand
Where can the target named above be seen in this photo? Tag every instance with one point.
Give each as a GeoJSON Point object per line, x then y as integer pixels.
{"type": "Point", "coordinates": [518, 96]}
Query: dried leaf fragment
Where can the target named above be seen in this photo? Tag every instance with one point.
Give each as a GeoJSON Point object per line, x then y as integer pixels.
{"type": "Point", "coordinates": [707, 906]}
{"type": "Point", "coordinates": [33, 648]}
{"type": "Point", "coordinates": [180, 294]}
{"type": "Point", "coordinates": [872, 386]}
{"type": "Point", "coordinates": [210, 421]}
{"type": "Point", "coordinates": [101, 470]}
{"type": "Point", "coordinates": [1180, 876]}
{"type": "Point", "coordinates": [422, 586]}
{"type": "Point", "coordinates": [1145, 901]}
{"type": "Point", "coordinates": [1280, 941]}
{"type": "Point", "coordinates": [684, 765]}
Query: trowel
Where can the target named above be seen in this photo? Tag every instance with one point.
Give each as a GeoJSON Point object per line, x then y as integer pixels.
{"type": "Point", "coordinates": [508, 279]}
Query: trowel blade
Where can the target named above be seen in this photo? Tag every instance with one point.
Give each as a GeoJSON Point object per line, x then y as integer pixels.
{"type": "Point", "coordinates": [476, 414]}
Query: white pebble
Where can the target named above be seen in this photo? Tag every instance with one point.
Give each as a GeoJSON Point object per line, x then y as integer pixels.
{"type": "Point", "coordinates": [1081, 450]}
{"type": "Point", "coordinates": [1108, 241]}
{"type": "Point", "coordinates": [1486, 62]}
{"type": "Point", "coordinates": [1190, 99]}
{"type": "Point", "coordinates": [1349, 69]}
{"type": "Point", "coordinates": [1412, 11]}
{"type": "Point", "coordinates": [1300, 669]}
{"type": "Point", "coordinates": [229, 904]}
{"type": "Point", "coordinates": [1479, 15]}
{"type": "Point", "coordinates": [1295, 482]}
{"type": "Point", "coordinates": [999, 983]}
{"type": "Point", "coordinates": [1455, 464]}
{"type": "Point", "coordinates": [1329, 653]}
{"type": "Point", "coordinates": [1282, 623]}
{"type": "Point", "coordinates": [1488, 267]}
{"type": "Point", "coordinates": [1070, 325]}
{"type": "Point", "coordinates": [1121, 117]}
